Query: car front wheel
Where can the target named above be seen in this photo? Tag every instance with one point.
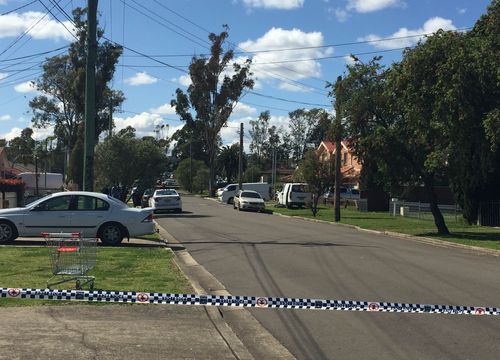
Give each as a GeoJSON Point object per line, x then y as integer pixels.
{"type": "Point", "coordinates": [111, 234]}
{"type": "Point", "coordinates": [7, 232]}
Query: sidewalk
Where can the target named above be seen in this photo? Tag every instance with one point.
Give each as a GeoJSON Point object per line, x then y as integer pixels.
{"type": "Point", "coordinates": [94, 331]}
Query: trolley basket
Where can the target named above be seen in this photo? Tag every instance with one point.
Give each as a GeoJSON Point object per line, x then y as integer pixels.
{"type": "Point", "coordinates": [71, 257]}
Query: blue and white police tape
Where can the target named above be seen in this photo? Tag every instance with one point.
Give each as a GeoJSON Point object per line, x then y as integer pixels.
{"type": "Point", "coordinates": [241, 301]}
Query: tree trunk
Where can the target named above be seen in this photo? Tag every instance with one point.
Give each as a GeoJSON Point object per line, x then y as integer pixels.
{"type": "Point", "coordinates": [436, 213]}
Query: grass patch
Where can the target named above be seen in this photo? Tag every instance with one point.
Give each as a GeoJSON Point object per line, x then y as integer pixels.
{"type": "Point", "coordinates": [129, 269]}
{"type": "Point", "coordinates": [461, 233]}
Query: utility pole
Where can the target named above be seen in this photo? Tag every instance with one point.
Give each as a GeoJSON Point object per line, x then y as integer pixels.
{"type": "Point", "coordinates": [240, 164]}
{"type": "Point", "coordinates": [338, 147]}
{"type": "Point", "coordinates": [90, 111]}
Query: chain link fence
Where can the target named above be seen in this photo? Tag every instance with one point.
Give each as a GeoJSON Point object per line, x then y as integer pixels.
{"type": "Point", "coordinates": [489, 213]}
{"type": "Point", "coordinates": [421, 210]}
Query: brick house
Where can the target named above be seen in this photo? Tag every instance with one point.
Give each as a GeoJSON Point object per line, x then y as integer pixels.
{"type": "Point", "coordinates": [350, 166]}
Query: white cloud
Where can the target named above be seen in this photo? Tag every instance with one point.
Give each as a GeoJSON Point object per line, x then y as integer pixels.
{"type": "Point", "coordinates": [5, 117]}
{"type": "Point", "coordinates": [184, 80]}
{"type": "Point", "coordinates": [141, 78]}
{"type": "Point", "coordinates": [430, 26]}
{"type": "Point", "coordinates": [164, 109]}
{"type": "Point", "coordinates": [349, 60]}
{"type": "Point", "coordinates": [144, 124]}
{"type": "Point", "coordinates": [243, 109]}
{"type": "Point", "coordinates": [38, 134]}
{"type": "Point", "coordinates": [341, 14]}
{"type": "Point", "coordinates": [263, 65]}
{"type": "Point", "coordinates": [3, 75]}
{"type": "Point", "coordinates": [462, 11]}
{"type": "Point", "coordinates": [25, 87]}
{"type": "Point", "coordinates": [274, 4]}
{"type": "Point", "coordinates": [15, 24]}
{"type": "Point", "coordinates": [365, 6]}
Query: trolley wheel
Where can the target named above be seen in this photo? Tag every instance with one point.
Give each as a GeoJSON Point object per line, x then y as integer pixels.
{"type": "Point", "coordinates": [111, 234]}
{"type": "Point", "coordinates": [8, 232]}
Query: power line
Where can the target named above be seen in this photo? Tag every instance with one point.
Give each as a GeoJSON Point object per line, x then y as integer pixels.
{"type": "Point", "coordinates": [18, 8]}
{"type": "Point", "coordinates": [36, 54]}
{"type": "Point", "coordinates": [55, 17]}
{"type": "Point", "coordinates": [286, 100]}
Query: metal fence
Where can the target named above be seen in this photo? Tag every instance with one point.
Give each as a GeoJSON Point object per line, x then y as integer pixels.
{"type": "Point", "coordinates": [489, 213]}
{"type": "Point", "coordinates": [423, 210]}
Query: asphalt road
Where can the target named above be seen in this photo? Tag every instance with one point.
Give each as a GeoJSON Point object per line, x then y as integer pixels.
{"type": "Point", "coordinates": [267, 255]}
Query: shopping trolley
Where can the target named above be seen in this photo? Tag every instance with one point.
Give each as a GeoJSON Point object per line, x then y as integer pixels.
{"type": "Point", "coordinates": [71, 257]}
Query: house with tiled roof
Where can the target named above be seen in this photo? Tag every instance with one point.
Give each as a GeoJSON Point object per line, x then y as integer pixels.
{"type": "Point", "coordinates": [9, 168]}
{"type": "Point", "coordinates": [350, 165]}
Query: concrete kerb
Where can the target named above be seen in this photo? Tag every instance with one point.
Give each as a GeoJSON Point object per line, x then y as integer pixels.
{"type": "Point", "coordinates": [435, 242]}
{"type": "Point", "coordinates": [256, 342]}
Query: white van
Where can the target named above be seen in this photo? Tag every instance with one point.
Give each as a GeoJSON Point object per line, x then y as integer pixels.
{"type": "Point", "coordinates": [227, 193]}
{"type": "Point", "coordinates": [294, 194]}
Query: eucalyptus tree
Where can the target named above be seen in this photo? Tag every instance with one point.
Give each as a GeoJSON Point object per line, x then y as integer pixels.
{"type": "Point", "coordinates": [61, 102]}
{"type": "Point", "coordinates": [215, 90]}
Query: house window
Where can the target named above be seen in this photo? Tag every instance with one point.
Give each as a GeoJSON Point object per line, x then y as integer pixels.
{"type": "Point", "coordinates": [344, 160]}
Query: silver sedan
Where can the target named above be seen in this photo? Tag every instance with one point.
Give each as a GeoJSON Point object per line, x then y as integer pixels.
{"type": "Point", "coordinates": [91, 214]}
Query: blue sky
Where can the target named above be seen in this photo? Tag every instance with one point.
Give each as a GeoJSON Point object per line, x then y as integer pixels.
{"type": "Point", "coordinates": [320, 32]}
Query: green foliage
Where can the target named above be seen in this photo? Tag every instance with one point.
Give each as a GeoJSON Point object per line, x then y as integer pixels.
{"type": "Point", "coordinates": [318, 174]}
{"type": "Point", "coordinates": [144, 160]}
{"type": "Point", "coordinates": [259, 133]}
{"type": "Point", "coordinates": [212, 95]}
{"type": "Point", "coordinates": [229, 161]}
{"type": "Point", "coordinates": [304, 129]}
{"type": "Point", "coordinates": [252, 173]}
{"type": "Point", "coordinates": [21, 148]}
{"type": "Point", "coordinates": [62, 84]}
{"type": "Point", "coordinates": [187, 175]}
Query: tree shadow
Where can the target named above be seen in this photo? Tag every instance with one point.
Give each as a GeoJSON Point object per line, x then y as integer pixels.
{"type": "Point", "coordinates": [477, 236]}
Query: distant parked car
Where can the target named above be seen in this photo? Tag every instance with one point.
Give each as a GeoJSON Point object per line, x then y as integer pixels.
{"type": "Point", "coordinates": [91, 214]}
{"type": "Point", "coordinates": [345, 194]}
{"type": "Point", "coordinates": [145, 197]}
{"type": "Point", "coordinates": [166, 199]}
{"type": "Point", "coordinates": [248, 200]}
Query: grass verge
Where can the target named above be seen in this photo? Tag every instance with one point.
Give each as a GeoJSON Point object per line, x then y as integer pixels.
{"type": "Point", "coordinates": [461, 233]}
{"type": "Point", "coordinates": [149, 269]}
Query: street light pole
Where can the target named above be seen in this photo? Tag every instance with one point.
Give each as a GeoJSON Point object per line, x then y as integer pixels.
{"type": "Point", "coordinates": [338, 147]}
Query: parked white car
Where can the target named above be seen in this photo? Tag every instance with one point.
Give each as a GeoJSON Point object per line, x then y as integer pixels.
{"type": "Point", "coordinates": [91, 214]}
{"type": "Point", "coordinates": [166, 199]}
{"type": "Point", "coordinates": [249, 200]}
{"type": "Point", "coordinates": [294, 194]}
{"type": "Point", "coordinates": [227, 194]}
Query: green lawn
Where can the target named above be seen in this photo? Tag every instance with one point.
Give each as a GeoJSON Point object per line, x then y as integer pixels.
{"type": "Point", "coordinates": [149, 269]}
{"type": "Point", "coordinates": [460, 232]}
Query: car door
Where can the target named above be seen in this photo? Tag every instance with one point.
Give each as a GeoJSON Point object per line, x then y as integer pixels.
{"type": "Point", "coordinates": [51, 215]}
{"type": "Point", "coordinates": [89, 213]}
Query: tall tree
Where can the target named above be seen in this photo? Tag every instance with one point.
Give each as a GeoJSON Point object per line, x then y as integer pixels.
{"type": "Point", "coordinates": [470, 109]}
{"type": "Point", "coordinates": [319, 175]}
{"type": "Point", "coordinates": [21, 148]}
{"type": "Point", "coordinates": [213, 94]}
{"type": "Point", "coordinates": [303, 124]}
{"type": "Point", "coordinates": [259, 134]}
{"type": "Point", "coordinates": [229, 161]}
{"type": "Point", "coordinates": [62, 84]}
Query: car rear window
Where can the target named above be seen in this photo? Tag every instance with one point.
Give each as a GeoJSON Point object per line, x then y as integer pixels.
{"type": "Point", "coordinates": [166, 192]}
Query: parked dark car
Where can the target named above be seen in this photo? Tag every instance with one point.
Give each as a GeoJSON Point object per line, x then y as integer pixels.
{"type": "Point", "coordinates": [145, 197]}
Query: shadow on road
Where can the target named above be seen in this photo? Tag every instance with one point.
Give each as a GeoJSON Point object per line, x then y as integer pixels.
{"type": "Point", "coordinates": [184, 214]}
{"type": "Point", "coordinates": [274, 242]}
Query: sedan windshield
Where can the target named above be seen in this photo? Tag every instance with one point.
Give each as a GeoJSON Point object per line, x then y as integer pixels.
{"type": "Point", "coordinates": [250, 195]}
